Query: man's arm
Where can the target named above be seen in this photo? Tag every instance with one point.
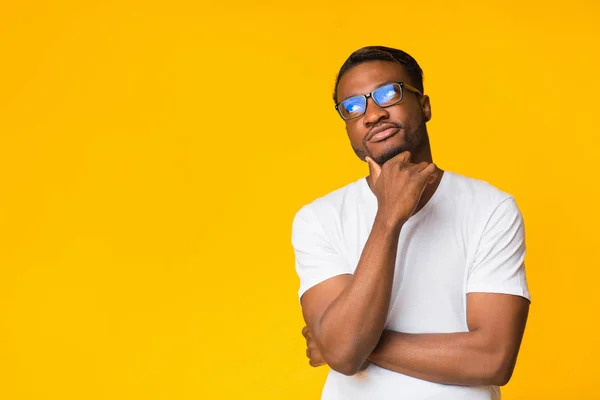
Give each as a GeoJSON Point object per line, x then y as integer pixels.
{"type": "Point", "coordinates": [486, 355]}
{"type": "Point", "coordinates": [346, 314]}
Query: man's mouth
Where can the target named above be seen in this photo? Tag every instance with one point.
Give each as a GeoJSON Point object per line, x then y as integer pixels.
{"type": "Point", "coordinates": [383, 132]}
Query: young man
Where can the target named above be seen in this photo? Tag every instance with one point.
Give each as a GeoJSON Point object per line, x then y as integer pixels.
{"type": "Point", "coordinates": [412, 282]}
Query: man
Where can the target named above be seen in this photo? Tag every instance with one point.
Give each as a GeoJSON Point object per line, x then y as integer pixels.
{"type": "Point", "coordinates": [412, 282]}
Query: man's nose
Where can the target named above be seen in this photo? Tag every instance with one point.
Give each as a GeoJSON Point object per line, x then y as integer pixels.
{"type": "Point", "coordinates": [374, 113]}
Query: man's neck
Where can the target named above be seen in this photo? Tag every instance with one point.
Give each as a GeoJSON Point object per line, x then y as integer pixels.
{"type": "Point", "coordinates": [425, 155]}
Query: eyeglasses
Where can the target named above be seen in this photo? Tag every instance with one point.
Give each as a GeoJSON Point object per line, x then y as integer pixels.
{"type": "Point", "coordinates": [384, 96]}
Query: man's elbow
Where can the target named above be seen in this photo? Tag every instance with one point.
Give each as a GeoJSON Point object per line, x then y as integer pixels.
{"type": "Point", "coordinates": [347, 369]}
{"type": "Point", "coordinates": [345, 363]}
{"type": "Point", "coordinates": [502, 376]}
{"type": "Point", "coordinates": [502, 367]}
{"type": "Point", "coordinates": [344, 369]}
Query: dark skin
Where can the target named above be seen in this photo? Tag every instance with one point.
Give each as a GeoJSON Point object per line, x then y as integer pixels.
{"type": "Point", "coordinates": [345, 315]}
{"type": "Point", "coordinates": [410, 114]}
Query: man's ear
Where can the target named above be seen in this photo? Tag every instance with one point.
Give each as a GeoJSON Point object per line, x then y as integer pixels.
{"type": "Point", "coordinates": [425, 107]}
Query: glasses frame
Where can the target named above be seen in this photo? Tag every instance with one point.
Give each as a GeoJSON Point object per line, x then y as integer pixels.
{"type": "Point", "coordinates": [366, 97]}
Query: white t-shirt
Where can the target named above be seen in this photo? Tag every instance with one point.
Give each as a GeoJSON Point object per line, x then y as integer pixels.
{"type": "Point", "coordinates": [469, 237]}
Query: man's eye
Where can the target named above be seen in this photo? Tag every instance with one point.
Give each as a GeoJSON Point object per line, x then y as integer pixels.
{"type": "Point", "coordinates": [389, 95]}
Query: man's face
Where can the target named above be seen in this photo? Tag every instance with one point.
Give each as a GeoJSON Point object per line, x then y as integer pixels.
{"type": "Point", "coordinates": [405, 120]}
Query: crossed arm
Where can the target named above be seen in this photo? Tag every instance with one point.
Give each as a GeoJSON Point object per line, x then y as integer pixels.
{"type": "Point", "coordinates": [485, 355]}
{"type": "Point", "coordinates": [346, 314]}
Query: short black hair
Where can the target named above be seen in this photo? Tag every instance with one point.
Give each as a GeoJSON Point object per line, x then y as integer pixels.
{"type": "Point", "coordinates": [382, 53]}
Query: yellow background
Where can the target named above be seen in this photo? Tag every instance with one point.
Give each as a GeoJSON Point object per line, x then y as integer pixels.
{"type": "Point", "coordinates": [153, 154]}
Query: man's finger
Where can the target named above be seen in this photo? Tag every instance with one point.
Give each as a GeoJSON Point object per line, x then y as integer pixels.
{"type": "Point", "coordinates": [430, 173]}
{"type": "Point", "coordinates": [433, 177]}
{"type": "Point", "coordinates": [403, 157]}
{"type": "Point", "coordinates": [421, 166]}
{"type": "Point", "coordinates": [374, 169]}
{"type": "Point", "coordinates": [315, 364]}
{"type": "Point", "coordinates": [305, 331]}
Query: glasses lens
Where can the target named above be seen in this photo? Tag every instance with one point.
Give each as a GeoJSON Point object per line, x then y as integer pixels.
{"type": "Point", "coordinates": [388, 95]}
{"type": "Point", "coordinates": [352, 107]}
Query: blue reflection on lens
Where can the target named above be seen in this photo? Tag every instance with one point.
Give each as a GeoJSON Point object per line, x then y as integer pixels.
{"type": "Point", "coordinates": [354, 105]}
{"type": "Point", "coordinates": [385, 94]}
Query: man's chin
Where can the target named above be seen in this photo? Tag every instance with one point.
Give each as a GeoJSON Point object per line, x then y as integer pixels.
{"type": "Point", "coordinates": [388, 155]}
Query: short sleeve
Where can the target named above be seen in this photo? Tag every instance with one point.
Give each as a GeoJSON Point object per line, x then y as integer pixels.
{"type": "Point", "coordinates": [316, 258]}
{"type": "Point", "coordinates": [498, 265]}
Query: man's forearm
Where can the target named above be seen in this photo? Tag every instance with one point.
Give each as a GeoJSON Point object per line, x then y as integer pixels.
{"type": "Point", "coordinates": [352, 325]}
{"type": "Point", "coordinates": [462, 358]}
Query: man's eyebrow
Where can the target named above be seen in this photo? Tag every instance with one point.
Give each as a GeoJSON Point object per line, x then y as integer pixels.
{"type": "Point", "coordinates": [376, 87]}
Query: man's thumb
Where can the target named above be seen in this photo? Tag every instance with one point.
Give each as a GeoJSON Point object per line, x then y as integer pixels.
{"type": "Point", "coordinates": [374, 169]}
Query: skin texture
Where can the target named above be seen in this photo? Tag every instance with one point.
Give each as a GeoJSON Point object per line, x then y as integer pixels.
{"type": "Point", "coordinates": [345, 315]}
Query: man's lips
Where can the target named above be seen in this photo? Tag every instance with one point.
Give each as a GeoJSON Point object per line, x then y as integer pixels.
{"type": "Point", "coordinates": [383, 132]}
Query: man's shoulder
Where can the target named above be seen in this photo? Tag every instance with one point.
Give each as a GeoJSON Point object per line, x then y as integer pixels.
{"type": "Point", "coordinates": [474, 203]}
{"type": "Point", "coordinates": [474, 190]}
{"type": "Point", "coordinates": [332, 202]}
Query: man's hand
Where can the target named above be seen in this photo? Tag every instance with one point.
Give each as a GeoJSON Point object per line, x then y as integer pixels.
{"type": "Point", "coordinates": [399, 185]}
{"type": "Point", "coordinates": [315, 359]}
